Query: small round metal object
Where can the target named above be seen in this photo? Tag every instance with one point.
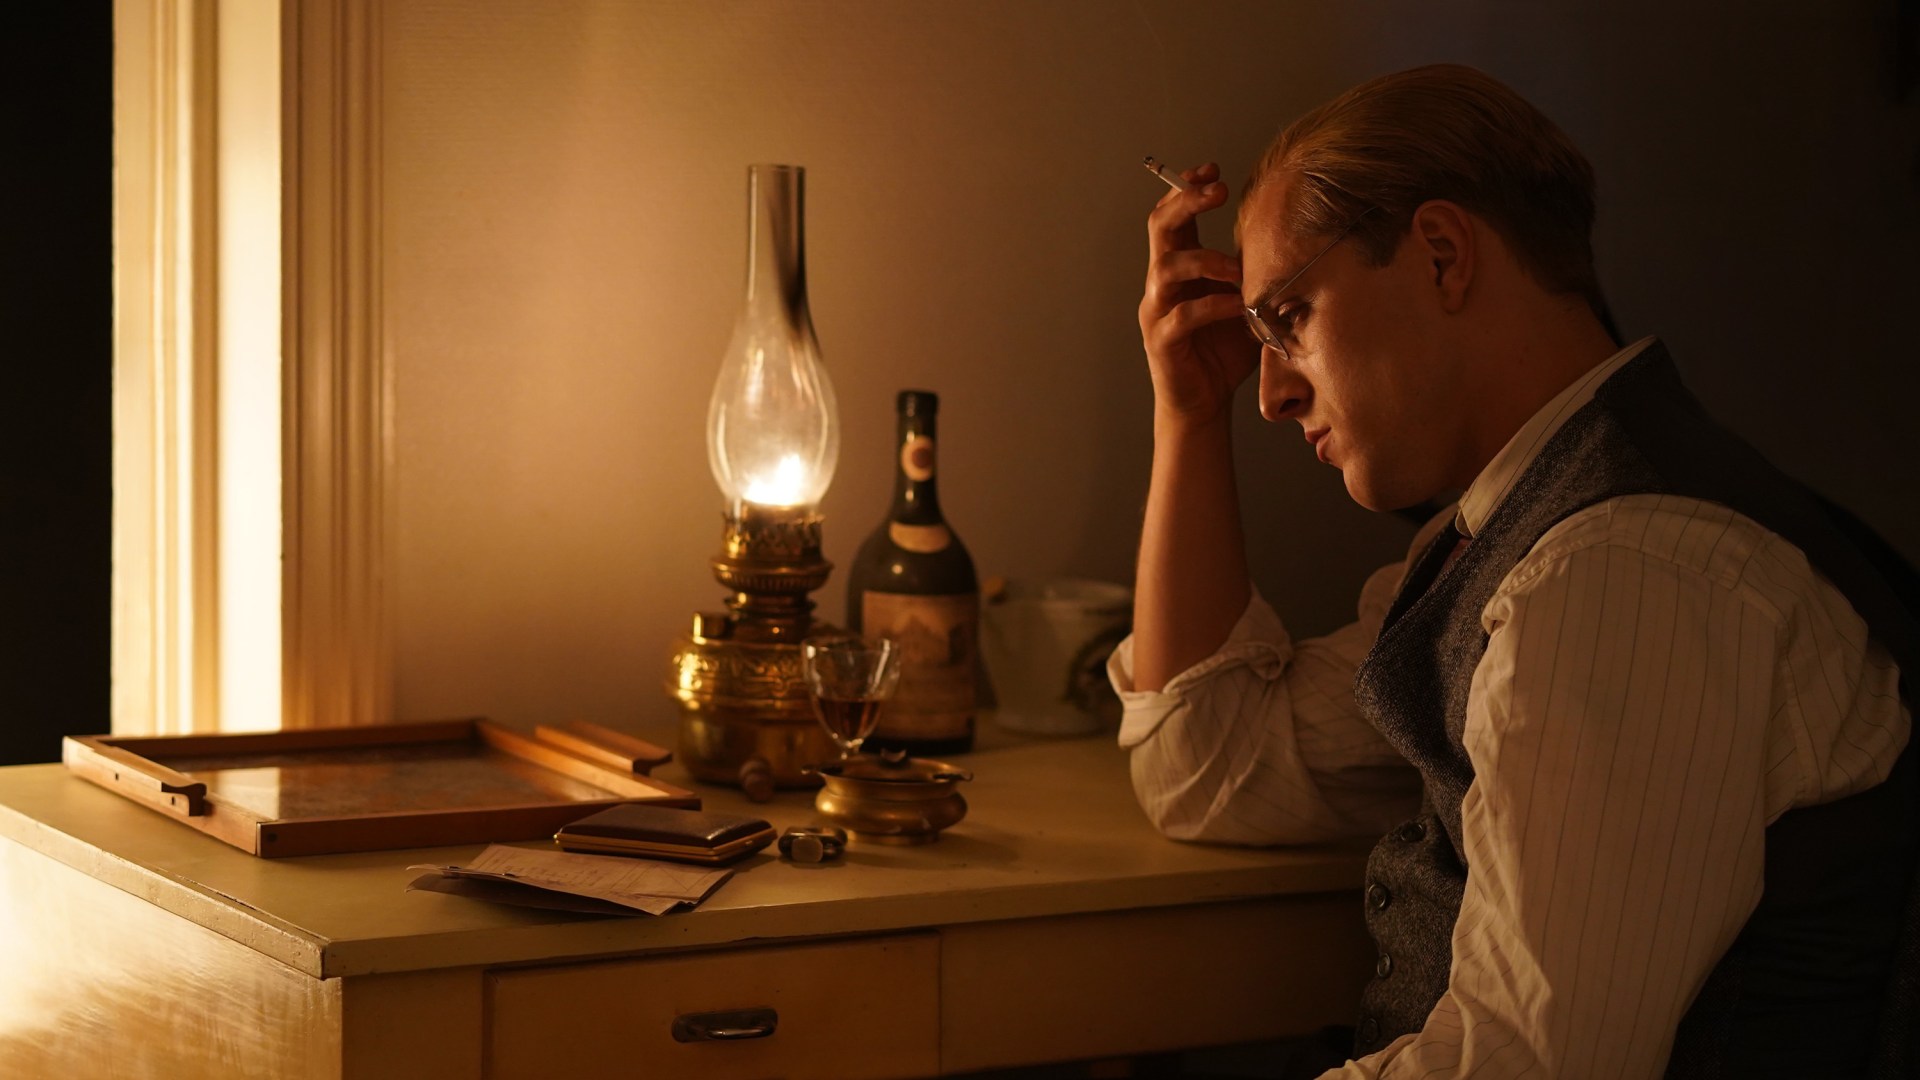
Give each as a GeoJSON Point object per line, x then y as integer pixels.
{"type": "Point", "coordinates": [1378, 897]}
{"type": "Point", "coordinates": [1383, 967]}
{"type": "Point", "coordinates": [1411, 833]}
{"type": "Point", "coordinates": [813, 843]}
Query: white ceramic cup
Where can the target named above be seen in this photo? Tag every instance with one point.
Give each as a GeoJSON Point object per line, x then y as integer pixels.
{"type": "Point", "coordinates": [1046, 642]}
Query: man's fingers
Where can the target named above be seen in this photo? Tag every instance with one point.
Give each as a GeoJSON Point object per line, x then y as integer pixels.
{"type": "Point", "coordinates": [1170, 224]}
{"type": "Point", "coordinates": [1201, 174]}
{"type": "Point", "coordinates": [1189, 288]}
{"type": "Point", "coordinates": [1192, 264]}
{"type": "Point", "coordinates": [1198, 177]}
{"type": "Point", "coordinates": [1174, 276]}
{"type": "Point", "coordinates": [1171, 219]}
{"type": "Point", "coordinates": [1189, 316]}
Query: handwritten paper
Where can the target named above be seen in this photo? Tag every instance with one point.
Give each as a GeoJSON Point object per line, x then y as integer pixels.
{"type": "Point", "coordinates": [645, 885]}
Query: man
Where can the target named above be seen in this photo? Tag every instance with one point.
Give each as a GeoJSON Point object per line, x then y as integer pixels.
{"type": "Point", "coordinates": [1624, 720]}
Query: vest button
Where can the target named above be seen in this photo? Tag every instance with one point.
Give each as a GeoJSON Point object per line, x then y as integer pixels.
{"type": "Point", "coordinates": [1411, 833]}
{"type": "Point", "coordinates": [1369, 1031]}
{"type": "Point", "coordinates": [1378, 897]}
{"type": "Point", "coordinates": [1384, 966]}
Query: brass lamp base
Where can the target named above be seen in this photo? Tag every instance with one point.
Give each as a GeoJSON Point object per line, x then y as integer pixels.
{"type": "Point", "coordinates": [745, 718]}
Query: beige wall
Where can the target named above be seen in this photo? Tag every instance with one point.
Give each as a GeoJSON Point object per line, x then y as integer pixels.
{"type": "Point", "coordinates": [564, 221]}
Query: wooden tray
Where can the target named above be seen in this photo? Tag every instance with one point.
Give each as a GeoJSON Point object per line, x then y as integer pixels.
{"type": "Point", "coordinates": [313, 791]}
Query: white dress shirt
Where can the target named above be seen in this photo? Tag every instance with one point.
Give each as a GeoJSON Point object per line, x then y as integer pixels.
{"type": "Point", "coordinates": [1663, 678]}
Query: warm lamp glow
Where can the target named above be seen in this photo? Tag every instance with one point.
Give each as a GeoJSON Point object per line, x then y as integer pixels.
{"type": "Point", "coordinates": [773, 444]}
{"type": "Point", "coordinates": [788, 486]}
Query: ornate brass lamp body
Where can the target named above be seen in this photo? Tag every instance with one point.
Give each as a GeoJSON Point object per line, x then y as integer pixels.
{"type": "Point", "coordinates": [773, 439]}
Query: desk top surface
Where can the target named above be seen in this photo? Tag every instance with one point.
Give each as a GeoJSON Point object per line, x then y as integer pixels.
{"type": "Point", "coordinates": [1052, 829]}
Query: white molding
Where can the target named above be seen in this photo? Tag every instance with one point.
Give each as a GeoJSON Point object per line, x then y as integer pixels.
{"type": "Point", "coordinates": [187, 502]}
{"type": "Point", "coordinates": [337, 405]}
{"type": "Point", "coordinates": [165, 458]}
{"type": "Point", "coordinates": [250, 209]}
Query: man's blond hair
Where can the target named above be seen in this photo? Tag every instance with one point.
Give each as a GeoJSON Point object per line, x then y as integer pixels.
{"type": "Point", "coordinates": [1444, 131]}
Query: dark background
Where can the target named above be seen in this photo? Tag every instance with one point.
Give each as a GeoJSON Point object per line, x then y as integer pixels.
{"type": "Point", "coordinates": [56, 413]}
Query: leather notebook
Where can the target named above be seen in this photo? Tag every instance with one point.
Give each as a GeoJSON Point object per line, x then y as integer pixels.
{"type": "Point", "coordinates": [663, 832]}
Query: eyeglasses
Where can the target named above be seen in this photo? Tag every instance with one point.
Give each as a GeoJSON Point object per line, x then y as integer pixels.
{"type": "Point", "coordinates": [1268, 327]}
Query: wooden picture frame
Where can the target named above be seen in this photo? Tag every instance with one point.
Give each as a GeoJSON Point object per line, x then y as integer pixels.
{"type": "Point", "coordinates": [313, 791]}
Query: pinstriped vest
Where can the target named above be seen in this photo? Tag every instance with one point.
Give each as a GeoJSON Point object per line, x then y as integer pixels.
{"type": "Point", "coordinates": [1805, 978]}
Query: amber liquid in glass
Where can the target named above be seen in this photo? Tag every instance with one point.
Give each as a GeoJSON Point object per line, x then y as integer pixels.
{"type": "Point", "coordinates": [848, 721]}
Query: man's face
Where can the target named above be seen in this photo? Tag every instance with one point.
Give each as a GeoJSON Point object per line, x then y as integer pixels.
{"type": "Point", "coordinates": [1368, 372]}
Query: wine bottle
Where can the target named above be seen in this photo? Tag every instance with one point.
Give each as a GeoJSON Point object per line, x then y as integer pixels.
{"type": "Point", "coordinates": [913, 581]}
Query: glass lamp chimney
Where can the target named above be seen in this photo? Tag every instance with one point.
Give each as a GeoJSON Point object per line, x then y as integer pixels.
{"type": "Point", "coordinates": [773, 429]}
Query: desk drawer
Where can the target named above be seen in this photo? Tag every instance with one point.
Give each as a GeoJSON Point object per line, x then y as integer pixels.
{"type": "Point", "coordinates": [1146, 981]}
{"type": "Point", "coordinates": [866, 1007]}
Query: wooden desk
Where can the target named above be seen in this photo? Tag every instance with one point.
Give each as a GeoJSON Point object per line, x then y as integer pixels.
{"type": "Point", "coordinates": [1052, 924]}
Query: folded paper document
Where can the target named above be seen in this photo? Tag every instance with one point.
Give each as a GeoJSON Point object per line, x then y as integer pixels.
{"type": "Point", "coordinates": [596, 884]}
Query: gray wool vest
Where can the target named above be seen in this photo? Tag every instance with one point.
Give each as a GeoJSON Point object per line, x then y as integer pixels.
{"type": "Point", "coordinates": [1804, 980]}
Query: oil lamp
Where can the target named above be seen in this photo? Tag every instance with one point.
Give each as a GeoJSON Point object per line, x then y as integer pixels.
{"type": "Point", "coordinates": [773, 438]}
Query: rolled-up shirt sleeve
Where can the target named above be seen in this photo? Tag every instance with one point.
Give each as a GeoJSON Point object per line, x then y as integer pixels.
{"type": "Point", "coordinates": [1261, 742]}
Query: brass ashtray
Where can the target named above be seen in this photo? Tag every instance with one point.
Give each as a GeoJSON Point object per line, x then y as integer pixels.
{"type": "Point", "coordinates": [888, 802]}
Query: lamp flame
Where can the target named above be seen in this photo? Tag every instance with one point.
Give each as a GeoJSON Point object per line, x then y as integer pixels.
{"type": "Point", "coordinates": [788, 486]}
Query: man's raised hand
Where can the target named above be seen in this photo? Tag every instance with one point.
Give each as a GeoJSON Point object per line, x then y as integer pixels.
{"type": "Point", "coordinates": [1198, 350]}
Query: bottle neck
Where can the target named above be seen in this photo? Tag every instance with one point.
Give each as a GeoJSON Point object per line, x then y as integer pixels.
{"type": "Point", "coordinates": [916, 489]}
{"type": "Point", "coordinates": [776, 246]}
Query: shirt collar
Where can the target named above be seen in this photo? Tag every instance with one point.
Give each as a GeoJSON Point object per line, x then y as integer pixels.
{"type": "Point", "coordinates": [1491, 486]}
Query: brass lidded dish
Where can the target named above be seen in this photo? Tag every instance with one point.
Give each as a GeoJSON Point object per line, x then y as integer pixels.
{"type": "Point", "coordinates": [886, 802]}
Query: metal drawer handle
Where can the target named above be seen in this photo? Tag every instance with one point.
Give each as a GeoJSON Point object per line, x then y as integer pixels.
{"type": "Point", "coordinates": [728, 1026]}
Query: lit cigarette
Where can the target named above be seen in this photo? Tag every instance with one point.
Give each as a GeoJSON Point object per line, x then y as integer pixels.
{"type": "Point", "coordinates": [1172, 179]}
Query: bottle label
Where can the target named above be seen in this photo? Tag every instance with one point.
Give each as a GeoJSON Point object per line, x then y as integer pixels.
{"type": "Point", "coordinates": [916, 458]}
{"type": "Point", "coordinates": [921, 539]}
{"type": "Point", "coordinates": [939, 640]}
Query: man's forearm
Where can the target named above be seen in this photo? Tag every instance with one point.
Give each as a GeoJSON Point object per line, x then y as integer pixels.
{"type": "Point", "coordinates": [1192, 580]}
